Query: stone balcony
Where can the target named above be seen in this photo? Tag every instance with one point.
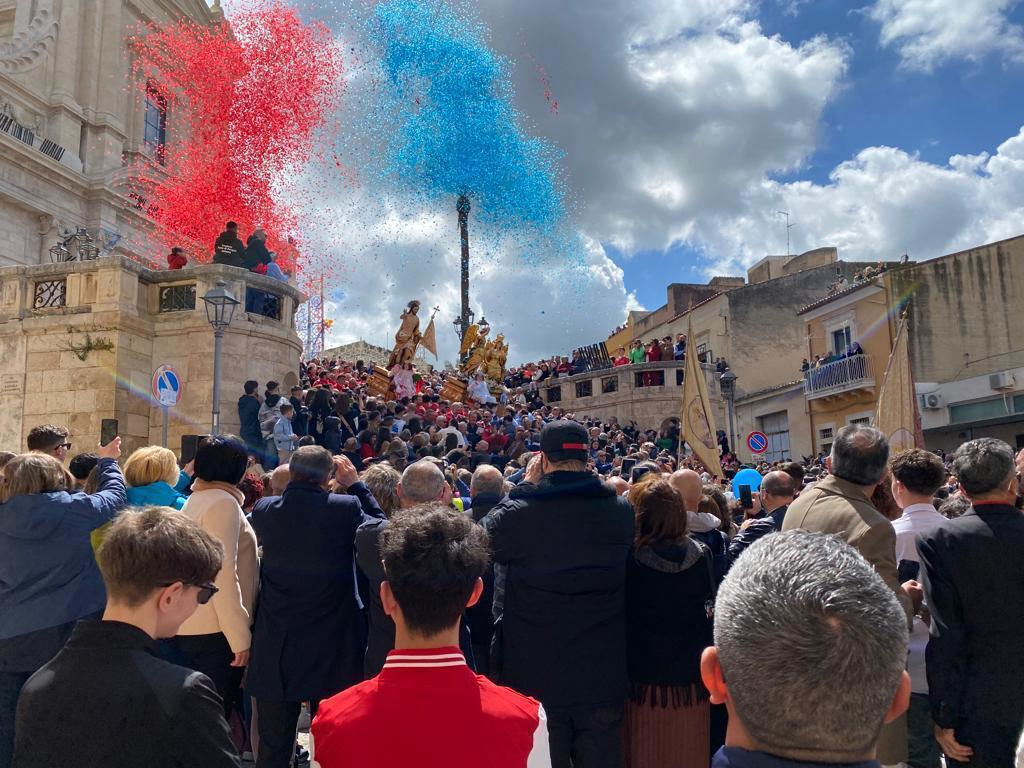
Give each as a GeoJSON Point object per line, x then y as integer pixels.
{"type": "Point", "coordinates": [847, 375]}
{"type": "Point", "coordinates": [79, 342]}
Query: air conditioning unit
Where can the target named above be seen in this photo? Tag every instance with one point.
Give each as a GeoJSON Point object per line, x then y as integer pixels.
{"type": "Point", "coordinates": [930, 402]}
{"type": "Point", "coordinates": [1002, 380]}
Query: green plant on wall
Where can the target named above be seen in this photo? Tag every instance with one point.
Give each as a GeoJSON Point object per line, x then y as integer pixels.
{"type": "Point", "coordinates": [90, 344]}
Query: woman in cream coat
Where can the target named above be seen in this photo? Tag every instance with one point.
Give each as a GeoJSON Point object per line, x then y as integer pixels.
{"type": "Point", "coordinates": [215, 640]}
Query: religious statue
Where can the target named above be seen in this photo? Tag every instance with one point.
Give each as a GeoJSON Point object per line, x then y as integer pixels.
{"type": "Point", "coordinates": [477, 354]}
{"type": "Point", "coordinates": [492, 360]}
{"type": "Point", "coordinates": [468, 341]}
{"type": "Point", "coordinates": [408, 337]}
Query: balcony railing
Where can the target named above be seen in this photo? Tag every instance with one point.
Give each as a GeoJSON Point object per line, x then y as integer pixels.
{"type": "Point", "coordinates": [839, 376]}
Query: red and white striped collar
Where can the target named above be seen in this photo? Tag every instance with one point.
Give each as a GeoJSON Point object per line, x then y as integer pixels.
{"type": "Point", "coordinates": [425, 658]}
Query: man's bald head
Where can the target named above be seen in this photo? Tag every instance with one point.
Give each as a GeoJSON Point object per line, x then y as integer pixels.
{"type": "Point", "coordinates": [422, 482]}
{"type": "Point", "coordinates": [621, 486]}
{"type": "Point", "coordinates": [487, 481]}
{"type": "Point", "coordinates": [280, 478]}
{"type": "Point", "coordinates": [777, 489]}
{"type": "Point", "coordinates": [688, 484]}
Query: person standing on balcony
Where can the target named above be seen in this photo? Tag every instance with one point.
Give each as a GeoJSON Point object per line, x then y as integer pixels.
{"type": "Point", "coordinates": [228, 248]}
{"type": "Point", "coordinates": [256, 253]}
{"type": "Point", "coordinates": [637, 354]}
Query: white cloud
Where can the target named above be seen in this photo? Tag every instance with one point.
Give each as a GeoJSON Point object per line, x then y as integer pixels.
{"type": "Point", "coordinates": [666, 109]}
{"type": "Point", "coordinates": [929, 32]}
{"type": "Point", "coordinates": [880, 204]}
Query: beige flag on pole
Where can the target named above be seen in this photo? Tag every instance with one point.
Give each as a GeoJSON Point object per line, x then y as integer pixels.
{"type": "Point", "coordinates": [429, 339]}
{"type": "Point", "coordinates": [698, 420]}
{"type": "Point", "coordinates": [896, 414]}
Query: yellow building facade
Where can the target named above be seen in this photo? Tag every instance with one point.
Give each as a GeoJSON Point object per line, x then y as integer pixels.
{"type": "Point", "coordinates": [843, 388]}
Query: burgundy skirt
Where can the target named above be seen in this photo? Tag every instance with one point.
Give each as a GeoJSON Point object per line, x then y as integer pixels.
{"type": "Point", "coordinates": [667, 731]}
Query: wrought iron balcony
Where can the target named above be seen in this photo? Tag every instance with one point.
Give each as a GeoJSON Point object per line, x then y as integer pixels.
{"type": "Point", "coordinates": [834, 378]}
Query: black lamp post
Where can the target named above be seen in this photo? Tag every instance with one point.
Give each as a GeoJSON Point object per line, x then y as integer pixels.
{"type": "Point", "coordinates": [462, 206]}
{"type": "Point", "coordinates": [220, 308]}
{"type": "Point", "coordinates": [727, 385]}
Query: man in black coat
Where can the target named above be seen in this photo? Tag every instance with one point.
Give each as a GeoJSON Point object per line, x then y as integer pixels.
{"type": "Point", "coordinates": [973, 575]}
{"type": "Point", "coordinates": [560, 542]}
{"type": "Point", "coordinates": [486, 490]}
{"type": "Point", "coordinates": [309, 632]}
{"type": "Point", "coordinates": [228, 248]}
{"type": "Point", "coordinates": [422, 482]}
{"type": "Point", "coordinates": [107, 698]}
{"type": "Point", "coordinates": [249, 418]}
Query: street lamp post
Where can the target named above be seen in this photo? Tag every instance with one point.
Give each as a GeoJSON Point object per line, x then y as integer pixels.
{"type": "Point", "coordinates": [220, 308]}
{"type": "Point", "coordinates": [727, 384]}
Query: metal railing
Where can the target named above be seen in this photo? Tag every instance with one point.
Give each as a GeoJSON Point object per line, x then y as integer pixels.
{"type": "Point", "coordinates": [838, 376]}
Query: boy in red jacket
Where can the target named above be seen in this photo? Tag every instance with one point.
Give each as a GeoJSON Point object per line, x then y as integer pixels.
{"type": "Point", "coordinates": [176, 259]}
{"type": "Point", "coordinates": [434, 557]}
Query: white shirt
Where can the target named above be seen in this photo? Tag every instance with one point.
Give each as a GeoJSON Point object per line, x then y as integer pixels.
{"type": "Point", "coordinates": [453, 431]}
{"type": "Point", "coordinates": [917, 518]}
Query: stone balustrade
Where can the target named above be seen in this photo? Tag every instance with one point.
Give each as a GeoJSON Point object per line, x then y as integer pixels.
{"type": "Point", "coordinates": [647, 393]}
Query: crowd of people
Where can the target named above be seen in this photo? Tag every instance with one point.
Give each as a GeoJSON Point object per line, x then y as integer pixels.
{"type": "Point", "coordinates": [424, 582]}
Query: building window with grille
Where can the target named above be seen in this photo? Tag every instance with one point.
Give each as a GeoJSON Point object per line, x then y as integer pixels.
{"type": "Point", "coordinates": [584, 388]}
{"type": "Point", "coordinates": [155, 128]}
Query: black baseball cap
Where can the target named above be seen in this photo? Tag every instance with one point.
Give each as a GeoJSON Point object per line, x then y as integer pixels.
{"type": "Point", "coordinates": [564, 441]}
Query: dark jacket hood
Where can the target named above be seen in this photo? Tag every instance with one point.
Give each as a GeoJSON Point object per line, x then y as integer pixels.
{"type": "Point", "coordinates": [579, 484]}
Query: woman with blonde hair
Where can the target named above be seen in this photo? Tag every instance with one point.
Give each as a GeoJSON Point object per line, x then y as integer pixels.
{"type": "Point", "coordinates": [382, 480]}
{"type": "Point", "coordinates": [154, 479]}
{"type": "Point", "coordinates": [670, 588]}
{"type": "Point", "coordinates": [48, 575]}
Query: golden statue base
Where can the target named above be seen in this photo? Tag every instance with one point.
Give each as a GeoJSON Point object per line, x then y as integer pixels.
{"type": "Point", "coordinates": [379, 383]}
{"type": "Point", "coordinates": [454, 390]}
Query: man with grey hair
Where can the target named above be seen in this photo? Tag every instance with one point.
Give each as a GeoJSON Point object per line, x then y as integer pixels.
{"type": "Point", "coordinates": [422, 482]}
{"type": "Point", "coordinates": [840, 504]}
{"type": "Point", "coordinates": [973, 573]}
{"type": "Point", "coordinates": [307, 584]}
{"type": "Point", "coordinates": [809, 655]}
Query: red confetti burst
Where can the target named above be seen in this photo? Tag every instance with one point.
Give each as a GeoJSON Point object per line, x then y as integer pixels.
{"type": "Point", "coordinates": [245, 102]}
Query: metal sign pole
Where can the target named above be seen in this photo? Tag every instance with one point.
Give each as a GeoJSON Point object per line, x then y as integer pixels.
{"type": "Point", "coordinates": [163, 441]}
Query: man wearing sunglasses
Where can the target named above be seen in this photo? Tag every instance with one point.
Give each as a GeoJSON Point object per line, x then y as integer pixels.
{"type": "Point", "coordinates": [108, 698]}
{"type": "Point", "coordinates": [50, 439]}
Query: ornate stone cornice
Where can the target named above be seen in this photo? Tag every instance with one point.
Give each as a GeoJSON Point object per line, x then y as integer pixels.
{"type": "Point", "coordinates": [31, 44]}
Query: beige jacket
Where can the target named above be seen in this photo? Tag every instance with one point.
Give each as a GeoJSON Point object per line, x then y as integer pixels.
{"type": "Point", "coordinates": [839, 507]}
{"type": "Point", "coordinates": [217, 509]}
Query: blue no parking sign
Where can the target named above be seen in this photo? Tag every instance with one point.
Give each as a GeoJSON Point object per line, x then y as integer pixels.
{"type": "Point", "coordinates": [757, 442]}
{"type": "Point", "coordinates": [166, 386]}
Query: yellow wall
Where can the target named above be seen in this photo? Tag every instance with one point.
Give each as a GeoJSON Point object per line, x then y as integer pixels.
{"type": "Point", "coordinates": [872, 327]}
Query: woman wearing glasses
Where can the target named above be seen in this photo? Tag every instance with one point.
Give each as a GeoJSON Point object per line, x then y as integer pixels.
{"type": "Point", "coordinates": [48, 575]}
{"type": "Point", "coordinates": [215, 640]}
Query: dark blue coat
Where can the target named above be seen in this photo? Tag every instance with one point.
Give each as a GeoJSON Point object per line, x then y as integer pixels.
{"type": "Point", "coordinates": [309, 631]}
{"type": "Point", "coordinates": [249, 417]}
{"type": "Point", "coordinates": [48, 573]}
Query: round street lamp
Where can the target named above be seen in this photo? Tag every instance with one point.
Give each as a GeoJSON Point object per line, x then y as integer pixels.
{"type": "Point", "coordinates": [220, 309]}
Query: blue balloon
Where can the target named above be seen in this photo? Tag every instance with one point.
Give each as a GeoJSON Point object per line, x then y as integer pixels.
{"type": "Point", "coordinates": [749, 477]}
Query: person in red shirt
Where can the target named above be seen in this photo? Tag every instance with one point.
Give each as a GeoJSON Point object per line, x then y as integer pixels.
{"type": "Point", "coordinates": [176, 258]}
{"type": "Point", "coordinates": [446, 715]}
{"type": "Point", "coordinates": [620, 357]}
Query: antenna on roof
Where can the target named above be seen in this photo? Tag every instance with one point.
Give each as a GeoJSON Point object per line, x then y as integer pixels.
{"type": "Point", "coordinates": [788, 227]}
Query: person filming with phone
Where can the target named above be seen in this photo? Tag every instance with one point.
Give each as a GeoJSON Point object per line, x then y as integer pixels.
{"type": "Point", "coordinates": [48, 574]}
{"type": "Point", "coordinates": [768, 509]}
